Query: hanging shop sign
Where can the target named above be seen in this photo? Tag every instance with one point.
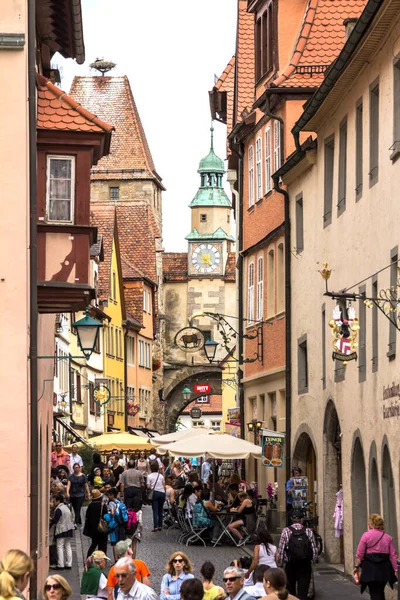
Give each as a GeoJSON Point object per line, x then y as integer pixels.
{"type": "Point", "coordinates": [195, 413]}
{"type": "Point", "coordinates": [189, 339]}
{"type": "Point", "coordinates": [232, 426]}
{"type": "Point", "coordinates": [273, 445]}
{"type": "Point", "coordinates": [299, 487]}
{"type": "Point", "coordinates": [202, 388]}
{"type": "Point", "coordinates": [345, 328]}
{"type": "Point", "coordinates": [391, 401]}
{"type": "Point", "coordinates": [101, 393]}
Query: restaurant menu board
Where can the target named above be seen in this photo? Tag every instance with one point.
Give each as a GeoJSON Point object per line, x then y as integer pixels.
{"type": "Point", "coordinates": [273, 450]}
{"type": "Point", "coordinates": [299, 491]}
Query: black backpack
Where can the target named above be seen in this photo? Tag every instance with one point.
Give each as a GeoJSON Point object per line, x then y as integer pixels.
{"type": "Point", "coordinates": [299, 546]}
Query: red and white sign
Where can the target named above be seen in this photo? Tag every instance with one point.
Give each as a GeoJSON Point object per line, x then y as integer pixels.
{"type": "Point", "coordinates": [204, 388]}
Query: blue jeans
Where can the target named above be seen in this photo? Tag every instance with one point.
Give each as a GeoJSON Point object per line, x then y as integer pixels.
{"type": "Point", "coordinates": [157, 505]}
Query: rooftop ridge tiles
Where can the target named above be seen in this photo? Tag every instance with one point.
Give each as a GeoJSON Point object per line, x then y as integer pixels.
{"type": "Point", "coordinates": [225, 73]}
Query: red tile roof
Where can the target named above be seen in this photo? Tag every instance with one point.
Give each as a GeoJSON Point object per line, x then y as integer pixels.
{"type": "Point", "coordinates": [215, 406]}
{"type": "Point", "coordinates": [321, 38]}
{"type": "Point", "coordinates": [134, 302]}
{"type": "Point", "coordinates": [57, 110]}
{"type": "Point", "coordinates": [225, 85]}
{"type": "Point", "coordinates": [175, 266]}
{"type": "Point", "coordinates": [245, 61]}
{"type": "Point", "coordinates": [102, 216]}
{"type": "Point", "coordinates": [221, 83]}
{"type": "Point", "coordinates": [112, 98]}
{"type": "Point", "coordinates": [136, 239]}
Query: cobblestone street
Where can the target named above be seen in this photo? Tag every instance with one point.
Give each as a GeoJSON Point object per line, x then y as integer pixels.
{"type": "Point", "coordinates": [157, 547]}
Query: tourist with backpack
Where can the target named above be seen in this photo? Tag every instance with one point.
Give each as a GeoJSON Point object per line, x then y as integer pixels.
{"type": "Point", "coordinates": [116, 519]}
{"type": "Point", "coordinates": [297, 551]}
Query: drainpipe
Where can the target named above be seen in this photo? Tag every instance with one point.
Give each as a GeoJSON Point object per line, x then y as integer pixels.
{"type": "Point", "coordinates": [33, 307]}
{"type": "Point", "coordinates": [126, 375]}
{"type": "Point", "coordinates": [288, 318]}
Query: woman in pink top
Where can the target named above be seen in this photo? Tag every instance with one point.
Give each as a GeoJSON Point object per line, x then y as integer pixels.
{"type": "Point", "coordinates": [377, 556]}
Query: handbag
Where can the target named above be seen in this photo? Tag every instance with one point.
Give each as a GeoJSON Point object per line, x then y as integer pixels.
{"type": "Point", "coordinates": [102, 527]}
{"type": "Point", "coordinates": [151, 490]}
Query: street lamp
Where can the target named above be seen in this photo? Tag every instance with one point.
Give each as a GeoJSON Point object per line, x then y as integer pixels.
{"type": "Point", "coordinates": [186, 392]}
{"type": "Point", "coordinates": [210, 348]}
{"type": "Point", "coordinates": [87, 330]}
{"type": "Point", "coordinates": [254, 426]}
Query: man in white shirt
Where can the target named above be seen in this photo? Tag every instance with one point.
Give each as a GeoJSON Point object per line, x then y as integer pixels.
{"type": "Point", "coordinates": [74, 459]}
{"type": "Point", "coordinates": [234, 580]}
{"type": "Point", "coordinates": [257, 590]}
{"type": "Point", "coordinates": [205, 471]}
{"type": "Point", "coordinates": [128, 587]}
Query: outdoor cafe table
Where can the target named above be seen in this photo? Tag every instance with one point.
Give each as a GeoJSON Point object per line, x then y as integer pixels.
{"type": "Point", "coordinates": [224, 517]}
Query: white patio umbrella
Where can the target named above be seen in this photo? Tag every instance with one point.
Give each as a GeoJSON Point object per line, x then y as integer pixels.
{"type": "Point", "coordinates": [177, 436]}
{"type": "Point", "coordinates": [215, 445]}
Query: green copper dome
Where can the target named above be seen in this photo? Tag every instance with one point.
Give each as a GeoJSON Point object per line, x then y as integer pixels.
{"type": "Point", "coordinates": [211, 163]}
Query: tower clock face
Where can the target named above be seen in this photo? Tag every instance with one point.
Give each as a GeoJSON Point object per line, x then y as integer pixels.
{"type": "Point", "coordinates": [206, 259]}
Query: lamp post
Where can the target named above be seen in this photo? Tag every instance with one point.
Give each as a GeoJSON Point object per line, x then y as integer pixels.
{"type": "Point", "coordinates": [255, 427]}
{"type": "Point", "coordinates": [87, 330]}
{"type": "Point", "coordinates": [186, 393]}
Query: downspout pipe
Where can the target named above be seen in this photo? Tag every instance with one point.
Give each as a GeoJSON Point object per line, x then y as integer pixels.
{"type": "Point", "coordinates": [33, 306]}
{"type": "Point", "coordinates": [240, 291]}
{"type": "Point", "coordinates": [288, 320]}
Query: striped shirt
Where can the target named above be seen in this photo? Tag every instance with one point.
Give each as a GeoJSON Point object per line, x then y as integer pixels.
{"type": "Point", "coordinates": [284, 543]}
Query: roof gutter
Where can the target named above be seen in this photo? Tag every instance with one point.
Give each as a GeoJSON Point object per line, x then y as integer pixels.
{"type": "Point", "coordinates": [339, 65]}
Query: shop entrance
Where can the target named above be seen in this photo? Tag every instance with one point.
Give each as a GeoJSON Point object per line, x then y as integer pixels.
{"type": "Point", "coordinates": [333, 490]}
{"type": "Point", "coordinates": [358, 493]}
{"type": "Point", "coordinates": [304, 456]}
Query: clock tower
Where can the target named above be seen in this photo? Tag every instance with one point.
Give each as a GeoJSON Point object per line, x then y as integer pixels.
{"type": "Point", "coordinates": [210, 240]}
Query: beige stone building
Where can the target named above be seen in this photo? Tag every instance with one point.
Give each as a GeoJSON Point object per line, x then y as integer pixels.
{"type": "Point", "coordinates": [200, 280]}
{"type": "Point", "coordinates": [343, 193]}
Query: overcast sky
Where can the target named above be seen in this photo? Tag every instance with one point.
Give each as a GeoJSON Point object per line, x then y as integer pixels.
{"type": "Point", "coordinates": [170, 52]}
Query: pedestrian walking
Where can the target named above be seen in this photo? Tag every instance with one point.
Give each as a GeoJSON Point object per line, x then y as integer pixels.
{"type": "Point", "coordinates": [205, 471]}
{"type": "Point", "coordinates": [264, 553]}
{"type": "Point", "coordinates": [377, 557]}
{"type": "Point", "coordinates": [128, 585]}
{"type": "Point", "coordinates": [143, 466]}
{"type": "Point", "coordinates": [59, 457]}
{"type": "Point", "coordinates": [210, 590]}
{"type": "Point", "coordinates": [74, 459]}
{"type": "Point", "coordinates": [125, 549]}
{"type": "Point", "coordinates": [95, 513]}
{"type": "Point", "coordinates": [116, 518]}
{"type": "Point", "coordinates": [131, 484]}
{"type": "Point", "coordinates": [56, 587]}
{"type": "Point", "coordinates": [234, 581]}
{"type": "Point", "coordinates": [94, 582]}
{"type": "Point", "coordinates": [76, 487]}
{"type": "Point", "coordinates": [156, 493]}
{"type": "Point", "coordinates": [64, 531]}
{"type": "Point", "coordinates": [179, 568]}
{"type": "Point", "coordinates": [192, 589]}
{"type": "Point", "coordinates": [15, 570]}
{"type": "Point", "coordinates": [297, 551]}
{"type": "Point", "coordinates": [275, 582]}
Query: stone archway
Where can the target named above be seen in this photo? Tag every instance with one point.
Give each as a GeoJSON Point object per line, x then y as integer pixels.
{"type": "Point", "coordinates": [188, 376]}
{"type": "Point", "coordinates": [305, 457]}
{"type": "Point", "coordinates": [358, 491]}
{"type": "Point", "coordinates": [374, 495]}
{"type": "Point", "coordinates": [388, 493]}
{"type": "Point", "coordinates": [332, 437]}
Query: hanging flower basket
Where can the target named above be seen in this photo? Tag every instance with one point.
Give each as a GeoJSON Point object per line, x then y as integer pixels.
{"type": "Point", "coordinates": [156, 365]}
{"type": "Point", "coordinates": [132, 408]}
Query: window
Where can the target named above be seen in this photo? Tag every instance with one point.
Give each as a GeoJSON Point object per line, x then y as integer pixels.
{"type": "Point", "coordinates": [112, 340]}
{"type": "Point", "coordinates": [203, 218]}
{"type": "Point", "coordinates": [264, 43]}
{"type": "Point", "coordinates": [207, 334]}
{"type": "Point", "coordinates": [251, 176]}
{"type": "Point", "coordinates": [78, 390]}
{"type": "Point", "coordinates": [341, 205]}
{"type": "Point", "coordinates": [359, 149]}
{"type": "Point", "coordinates": [374, 326]}
{"type": "Point", "coordinates": [60, 188]}
{"type": "Point", "coordinates": [216, 425]}
{"type": "Point", "coordinates": [144, 300]}
{"type": "Point", "coordinates": [323, 344]}
{"type": "Point", "coordinates": [277, 145]}
{"type": "Point", "coordinates": [141, 353]}
{"type": "Point", "coordinates": [148, 353]}
{"type": "Point", "coordinates": [362, 344]}
{"type": "Point", "coordinates": [114, 286]}
{"type": "Point", "coordinates": [203, 400]}
{"type": "Point", "coordinates": [302, 367]}
{"type": "Point", "coordinates": [299, 224]}
{"type": "Point", "coordinates": [114, 193]}
{"type": "Point", "coordinates": [280, 300]}
{"type": "Point", "coordinates": [258, 168]}
{"type": "Point", "coordinates": [268, 180]}
{"type": "Point", "coordinates": [260, 288]}
{"type": "Point", "coordinates": [250, 297]}
{"type": "Point", "coordinates": [130, 350]}
{"type": "Point", "coordinates": [271, 283]}
{"type": "Point", "coordinates": [393, 284]}
{"type": "Point", "coordinates": [329, 152]}
{"type": "Point", "coordinates": [149, 303]}
{"type": "Point", "coordinates": [198, 423]}
{"type": "Point", "coordinates": [373, 133]}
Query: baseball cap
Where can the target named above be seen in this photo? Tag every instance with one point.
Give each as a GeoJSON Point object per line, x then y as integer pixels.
{"type": "Point", "coordinates": [121, 547]}
{"type": "Point", "coordinates": [98, 554]}
{"type": "Point", "coordinates": [296, 514]}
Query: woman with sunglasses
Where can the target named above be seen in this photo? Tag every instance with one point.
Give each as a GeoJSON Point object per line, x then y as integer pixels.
{"type": "Point", "coordinates": [56, 588]}
{"type": "Point", "coordinates": [15, 570]}
{"type": "Point", "coordinates": [179, 569]}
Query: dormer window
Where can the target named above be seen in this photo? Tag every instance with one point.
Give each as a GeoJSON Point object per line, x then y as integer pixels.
{"type": "Point", "coordinates": [264, 37]}
{"type": "Point", "coordinates": [60, 190]}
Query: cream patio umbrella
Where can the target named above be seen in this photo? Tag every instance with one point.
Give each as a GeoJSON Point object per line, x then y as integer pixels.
{"type": "Point", "coordinates": [215, 445]}
{"type": "Point", "coordinates": [177, 436]}
{"type": "Point", "coordinates": [120, 440]}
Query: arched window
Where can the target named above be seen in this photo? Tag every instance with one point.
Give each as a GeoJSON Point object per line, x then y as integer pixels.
{"type": "Point", "coordinates": [250, 294]}
{"type": "Point", "coordinates": [280, 278]}
{"type": "Point", "coordinates": [260, 289]}
{"type": "Point", "coordinates": [271, 283]}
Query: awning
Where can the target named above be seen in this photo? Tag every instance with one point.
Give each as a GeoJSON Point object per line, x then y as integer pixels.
{"type": "Point", "coordinates": [71, 430]}
{"type": "Point", "coordinates": [143, 431]}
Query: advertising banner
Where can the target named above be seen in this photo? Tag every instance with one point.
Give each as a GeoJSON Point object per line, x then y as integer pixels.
{"type": "Point", "coordinates": [273, 446]}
